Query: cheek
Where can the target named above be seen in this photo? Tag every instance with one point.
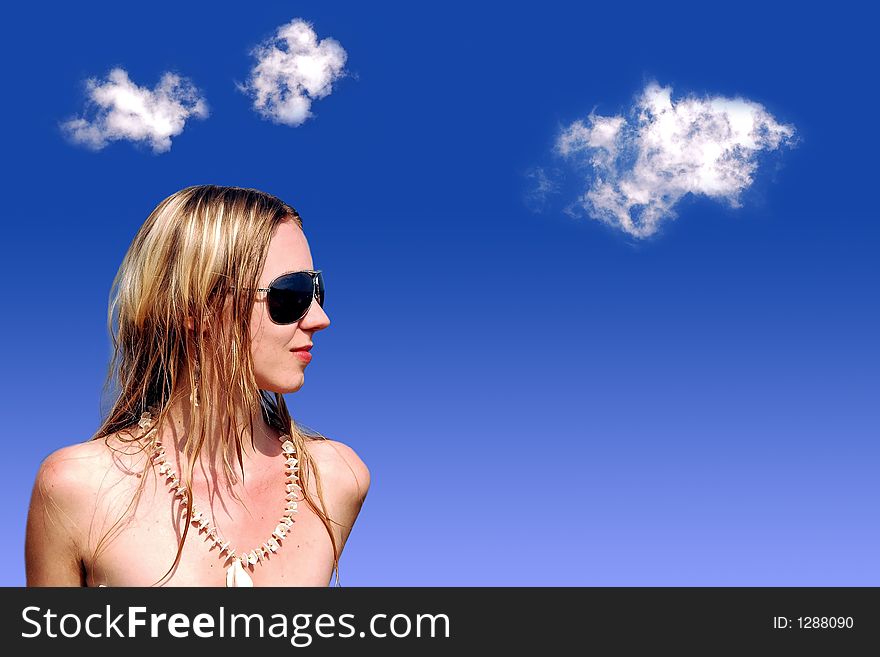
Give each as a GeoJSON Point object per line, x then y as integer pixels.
{"type": "Point", "coordinates": [269, 343]}
{"type": "Point", "coordinates": [266, 344]}
{"type": "Point", "coordinates": [275, 367]}
{"type": "Point", "coordinates": [262, 332]}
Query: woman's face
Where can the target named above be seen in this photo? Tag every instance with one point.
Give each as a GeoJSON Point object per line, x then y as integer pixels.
{"type": "Point", "coordinates": [276, 366]}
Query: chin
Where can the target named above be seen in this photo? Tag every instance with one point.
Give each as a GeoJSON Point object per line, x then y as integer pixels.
{"type": "Point", "coordinates": [293, 386]}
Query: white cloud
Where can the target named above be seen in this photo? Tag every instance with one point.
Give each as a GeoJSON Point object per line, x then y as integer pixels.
{"type": "Point", "coordinates": [640, 168]}
{"type": "Point", "coordinates": [293, 68]}
{"type": "Point", "coordinates": [127, 111]}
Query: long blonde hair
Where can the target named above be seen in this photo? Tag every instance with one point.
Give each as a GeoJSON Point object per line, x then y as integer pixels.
{"type": "Point", "coordinates": [198, 247]}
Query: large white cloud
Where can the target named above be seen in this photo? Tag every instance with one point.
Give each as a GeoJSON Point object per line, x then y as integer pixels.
{"type": "Point", "coordinates": [127, 111]}
{"type": "Point", "coordinates": [639, 167]}
{"type": "Point", "coordinates": [293, 68]}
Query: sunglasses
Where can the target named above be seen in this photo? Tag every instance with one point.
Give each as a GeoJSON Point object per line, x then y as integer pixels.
{"type": "Point", "coordinates": [290, 295]}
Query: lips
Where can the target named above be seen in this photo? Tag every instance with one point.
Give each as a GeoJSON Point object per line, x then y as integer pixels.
{"type": "Point", "coordinates": [308, 347]}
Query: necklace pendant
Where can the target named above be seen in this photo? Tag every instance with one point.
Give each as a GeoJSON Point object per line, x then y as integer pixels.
{"type": "Point", "coordinates": [236, 575]}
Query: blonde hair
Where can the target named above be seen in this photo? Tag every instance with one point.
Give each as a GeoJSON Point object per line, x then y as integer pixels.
{"type": "Point", "coordinates": [193, 249]}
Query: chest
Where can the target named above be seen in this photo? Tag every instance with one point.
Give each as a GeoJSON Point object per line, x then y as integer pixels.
{"type": "Point", "coordinates": [143, 547]}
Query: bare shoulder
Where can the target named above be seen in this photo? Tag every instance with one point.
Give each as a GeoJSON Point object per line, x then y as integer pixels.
{"type": "Point", "coordinates": [339, 463]}
{"type": "Point", "coordinates": [71, 471]}
{"type": "Point", "coordinates": [65, 495]}
{"type": "Point", "coordinates": [71, 477]}
{"type": "Point", "coordinates": [82, 465]}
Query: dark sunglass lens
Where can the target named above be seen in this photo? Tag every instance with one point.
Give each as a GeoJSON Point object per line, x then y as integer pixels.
{"type": "Point", "coordinates": [290, 297]}
{"type": "Point", "coordinates": [320, 292]}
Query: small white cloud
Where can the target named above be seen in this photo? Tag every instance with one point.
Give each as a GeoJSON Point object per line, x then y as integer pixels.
{"type": "Point", "coordinates": [127, 111]}
{"type": "Point", "coordinates": [293, 68]}
{"type": "Point", "coordinates": [640, 168]}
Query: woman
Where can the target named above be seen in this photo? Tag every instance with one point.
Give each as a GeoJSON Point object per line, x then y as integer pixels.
{"type": "Point", "coordinates": [198, 476]}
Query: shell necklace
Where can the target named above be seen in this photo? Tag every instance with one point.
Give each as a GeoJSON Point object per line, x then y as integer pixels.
{"type": "Point", "coordinates": [239, 564]}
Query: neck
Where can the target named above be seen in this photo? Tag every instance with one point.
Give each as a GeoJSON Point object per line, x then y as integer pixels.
{"type": "Point", "coordinates": [213, 454]}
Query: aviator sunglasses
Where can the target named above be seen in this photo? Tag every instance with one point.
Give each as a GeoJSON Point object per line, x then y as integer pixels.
{"type": "Point", "coordinates": [290, 295]}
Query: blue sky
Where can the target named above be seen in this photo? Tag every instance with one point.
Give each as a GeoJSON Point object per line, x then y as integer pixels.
{"type": "Point", "coordinates": [543, 398]}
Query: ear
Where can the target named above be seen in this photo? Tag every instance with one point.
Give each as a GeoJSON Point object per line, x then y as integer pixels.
{"type": "Point", "coordinates": [189, 324]}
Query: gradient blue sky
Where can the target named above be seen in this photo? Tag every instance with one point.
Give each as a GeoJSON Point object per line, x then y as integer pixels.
{"type": "Point", "coordinates": [541, 400]}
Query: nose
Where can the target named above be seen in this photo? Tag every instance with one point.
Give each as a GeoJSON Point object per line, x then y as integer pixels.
{"type": "Point", "coordinates": [316, 318]}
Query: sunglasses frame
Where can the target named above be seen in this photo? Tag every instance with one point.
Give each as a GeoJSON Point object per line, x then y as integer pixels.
{"type": "Point", "coordinates": [313, 273]}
